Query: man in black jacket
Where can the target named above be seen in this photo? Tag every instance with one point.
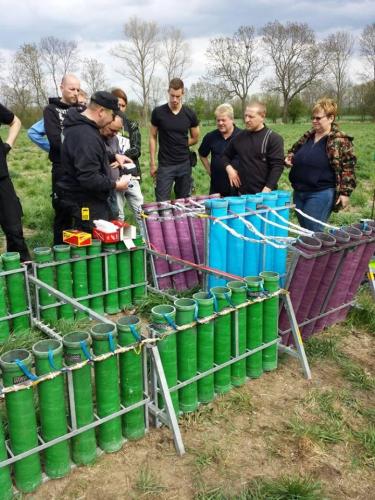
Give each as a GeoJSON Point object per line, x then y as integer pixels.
{"type": "Point", "coordinates": [260, 152]}
{"type": "Point", "coordinates": [85, 185]}
{"type": "Point", "coordinates": [10, 206]}
{"type": "Point", "coordinates": [54, 115]}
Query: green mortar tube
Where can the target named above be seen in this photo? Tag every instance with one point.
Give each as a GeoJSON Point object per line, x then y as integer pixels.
{"type": "Point", "coordinates": [270, 320]}
{"type": "Point", "coordinates": [160, 317]}
{"type": "Point", "coordinates": [138, 271]}
{"type": "Point", "coordinates": [83, 445]}
{"type": "Point", "coordinates": [4, 325]}
{"type": "Point", "coordinates": [64, 279]}
{"type": "Point", "coordinates": [16, 290]}
{"type": "Point", "coordinates": [95, 276]}
{"type": "Point", "coordinates": [52, 410]}
{"type": "Point", "coordinates": [238, 327]}
{"type": "Point", "coordinates": [104, 339]}
{"type": "Point", "coordinates": [6, 486]}
{"type": "Point", "coordinates": [131, 378]}
{"type": "Point", "coordinates": [187, 354]}
{"type": "Point", "coordinates": [43, 255]}
{"type": "Point", "coordinates": [222, 339]}
{"type": "Point", "coordinates": [111, 304]}
{"type": "Point", "coordinates": [124, 275]}
{"type": "Point", "coordinates": [80, 279]}
{"type": "Point", "coordinates": [254, 327]}
{"type": "Point", "coordinates": [205, 346]}
{"type": "Point", "coordinates": [22, 425]}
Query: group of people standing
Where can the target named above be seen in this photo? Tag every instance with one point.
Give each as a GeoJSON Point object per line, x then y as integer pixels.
{"type": "Point", "coordinates": [95, 151]}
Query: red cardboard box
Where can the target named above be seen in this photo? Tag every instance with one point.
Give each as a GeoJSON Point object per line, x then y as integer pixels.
{"type": "Point", "coordinates": [77, 238]}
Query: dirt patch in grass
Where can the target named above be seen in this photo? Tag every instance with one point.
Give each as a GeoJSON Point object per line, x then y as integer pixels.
{"type": "Point", "coordinates": [243, 435]}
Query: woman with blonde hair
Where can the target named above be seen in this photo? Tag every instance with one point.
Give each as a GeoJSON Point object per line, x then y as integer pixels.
{"type": "Point", "coordinates": [322, 167]}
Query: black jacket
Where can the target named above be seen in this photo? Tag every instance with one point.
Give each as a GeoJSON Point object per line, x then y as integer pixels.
{"type": "Point", "coordinates": [84, 159]}
{"type": "Point", "coordinates": [54, 115]}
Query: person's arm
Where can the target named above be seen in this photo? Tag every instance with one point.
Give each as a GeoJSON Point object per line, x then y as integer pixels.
{"type": "Point", "coordinates": [134, 151]}
{"type": "Point", "coordinates": [13, 131]}
{"type": "Point", "coordinates": [348, 162]}
{"type": "Point", "coordinates": [52, 128]}
{"type": "Point", "coordinates": [153, 144]}
{"type": "Point", "coordinates": [206, 164]}
{"type": "Point", "coordinates": [194, 136]}
{"type": "Point", "coordinates": [275, 161]}
{"type": "Point", "coordinates": [37, 135]}
{"type": "Point", "coordinates": [229, 154]}
{"type": "Point", "coordinates": [204, 152]}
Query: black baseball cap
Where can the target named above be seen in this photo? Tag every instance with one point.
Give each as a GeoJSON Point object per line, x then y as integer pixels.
{"type": "Point", "coordinates": [106, 100]}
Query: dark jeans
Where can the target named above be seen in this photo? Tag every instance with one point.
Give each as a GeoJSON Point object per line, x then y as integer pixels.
{"type": "Point", "coordinates": [318, 204]}
{"type": "Point", "coordinates": [166, 175]}
{"type": "Point", "coordinates": [10, 219]}
{"type": "Point", "coordinates": [62, 219]}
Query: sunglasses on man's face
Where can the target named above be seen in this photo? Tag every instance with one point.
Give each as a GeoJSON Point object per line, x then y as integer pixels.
{"type": "Point", "coordinates": [317, 118]}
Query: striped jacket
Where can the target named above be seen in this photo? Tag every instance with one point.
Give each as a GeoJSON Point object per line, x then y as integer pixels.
{"type": "Point", "coordinates": [341, 157]}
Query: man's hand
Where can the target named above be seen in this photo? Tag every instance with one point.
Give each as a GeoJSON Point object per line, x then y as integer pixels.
{"type": "Point", "coordinates": [153, 170]}
{"type": "Point", "coordinates": [122, 183]}
{"type": "Point", "coordinates": [343, 200]}
{"type": "Point", "coordinates": [266, 189]}
{"type": "Point", "coordinates": [288, 161]}
{"type": "Point", "coordinates": [234, 178]}
{"type": "Point", "coordinates": [122, 159]}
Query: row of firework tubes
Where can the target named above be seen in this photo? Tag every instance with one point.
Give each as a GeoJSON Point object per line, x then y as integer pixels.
{"type": "Point", "coordinates": [83, 272]}
{"type": "Point", "coordinates": [239, 317]}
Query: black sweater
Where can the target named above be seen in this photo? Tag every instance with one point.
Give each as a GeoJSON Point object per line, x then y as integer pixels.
{"type": "Point", "coordinates": [256, 170]}
{"type": "Point", "coordinates": [54, 115]}
{"type": "Point", "coordinates": [84, 159]}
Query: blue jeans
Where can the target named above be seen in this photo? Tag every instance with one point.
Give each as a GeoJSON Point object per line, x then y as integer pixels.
{"type": "Point", "coordinates": [317, 204]}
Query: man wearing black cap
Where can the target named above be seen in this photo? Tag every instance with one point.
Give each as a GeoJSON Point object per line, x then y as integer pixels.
{"type": "Point", "coordinates": [85, 185]}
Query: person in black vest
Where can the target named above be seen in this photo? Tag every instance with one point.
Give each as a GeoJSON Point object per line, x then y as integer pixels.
{"type": "Point", "coordinates": [176, 127]}
{"type": "Point", "coordinates": [10, 206]}
{"type": "Point", "coordinates": [53, 115]}
{"type": "Point", "coordinates": [214, 143]}
{"type": "Point", "coordinates": [260, 151]}
{"type": "Point", "coordinates": [85, 185]}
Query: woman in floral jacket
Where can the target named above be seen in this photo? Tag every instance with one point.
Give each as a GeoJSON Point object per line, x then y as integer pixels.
{"type": "Point", "coordinates": [323, 163]}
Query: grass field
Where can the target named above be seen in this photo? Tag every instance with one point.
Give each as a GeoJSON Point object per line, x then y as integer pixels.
{"type": "Point", "coordinates": [277, 438]}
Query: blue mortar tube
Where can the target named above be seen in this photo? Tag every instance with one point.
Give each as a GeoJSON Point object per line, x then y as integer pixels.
{"type": "Point", "coordinates": [283, 198]}
{"type": "Point", "coordinates": [270, 200]}
{"type": "Point", "coordinates": [252, 251]}
{"type": "Point", "coordinates": [217, 241]}
{"type": "Point", "coordinates": [235, 246]}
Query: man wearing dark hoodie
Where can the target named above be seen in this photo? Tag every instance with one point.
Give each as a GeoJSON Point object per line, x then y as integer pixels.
{"type": "Point", "coordinates": [85, 185]}
{"type": "Point", "coordinates": [54, 115]}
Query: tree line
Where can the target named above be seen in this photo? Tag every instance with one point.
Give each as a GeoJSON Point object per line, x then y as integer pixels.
{"type": "Point", "coordinates": [291, 66]}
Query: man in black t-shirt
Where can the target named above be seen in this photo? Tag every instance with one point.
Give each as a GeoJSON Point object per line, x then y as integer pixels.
{"type": "Point", "coordinates": [10, 206]}
{"type": "Point", "coordinates": [260, 151]}
{"type": "Point", "coordinates": [172, 123]}
{"type": "Point", "coordinates": [214, 143]}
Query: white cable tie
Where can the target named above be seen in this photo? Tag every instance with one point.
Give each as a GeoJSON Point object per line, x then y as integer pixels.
{"type": "Point", "coordinates": [301, 230]}
{"type": "Point", "coordinates": [315, 220]}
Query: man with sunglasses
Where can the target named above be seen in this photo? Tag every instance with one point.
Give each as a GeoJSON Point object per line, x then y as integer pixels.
{"type": "Point", "coordinates": [86, 184]}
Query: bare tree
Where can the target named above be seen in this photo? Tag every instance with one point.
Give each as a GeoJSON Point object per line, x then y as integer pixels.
{"type": "Point", "coordinates": [157, 90]}
{"type": "Point", "coordinates": [17, 91]}
{"type": "Point", "coordinates": [297, 59]}
{"type": "Point", "coordinates": [175, 53]}
{"type": "Point", "coordinates": [339, 47]}
{"type": "Point", "coordinates": [367, 42]}
{"type": "Point", "coordinates": [233, 62]}
{"type": "Point", "coordinates": [28, 59]}
{"type": "Point", "coordinates": [139, 54]}
{"type": "Point", "coordinates": [59, 56]}
{"type": "Point", "coordinates": [93, 74]}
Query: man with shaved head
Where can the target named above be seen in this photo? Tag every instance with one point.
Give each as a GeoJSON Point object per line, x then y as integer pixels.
{"type": "Point", "coordinates": [54, 115]}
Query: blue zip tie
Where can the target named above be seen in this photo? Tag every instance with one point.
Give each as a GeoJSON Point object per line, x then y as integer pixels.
{"type": "Point", "coordinates": [196, 316]}
{"type": "Point", "coordinates": [51, 361]}
{"type": "Point", "coordinates": [25, 370]}
{"type": "Point", "coordinates": [86, 352]}
{"type": "Point", "coordinates": [111, 342]}
{"type": "Point", "coordinates": [364, 225]}
{"type": "Point", "coordinates": [135, 333]}
{"type": "Point", "coordinates": [216, 305]}
{"type": "Point", "coordinates": [170, 321]}
{"type": "Point", "coordinates": [229, 299]}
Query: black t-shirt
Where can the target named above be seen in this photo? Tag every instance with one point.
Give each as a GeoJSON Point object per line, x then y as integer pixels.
{"type": "Point", "coordinates": [6, 117]}
{"type": "Point", "coordinates": [214, 143]}
{"type": "Point", "coordinates": [173, 132]}
{"type": "Point", "coordinates": [311, 169]}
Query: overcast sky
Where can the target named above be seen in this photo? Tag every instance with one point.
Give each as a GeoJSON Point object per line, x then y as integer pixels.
{"type": "Point", "coordinates": [97, 24]}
